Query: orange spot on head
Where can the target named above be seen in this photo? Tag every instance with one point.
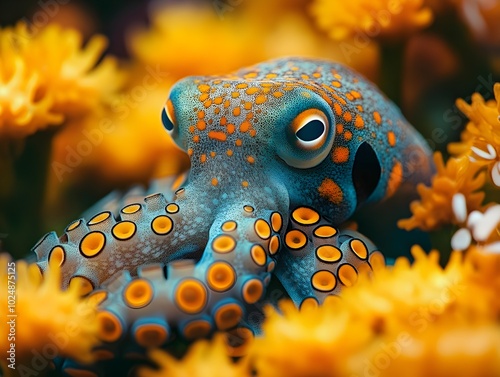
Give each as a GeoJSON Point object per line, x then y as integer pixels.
{"type": "Point", "coordinates": [218, 100]}
{"type": "Point", "coordinates": [360, 108]}
{"type": "Point", "coordinates": [250, 75]}
{"type": "Point", "coordinates": [340, 128]}
{"type": "Point", "coordinates": [242, 86]}
{"type": "Point", "coordinates": [260, 99]}
{"type": "Point", "coordinates": [277, 94]}
{"type": "Point", "coordinates": [377, 117]}
{"type": "Point", "coordinates": [336, 84]}
{"type": "Point", "coordinates": [223, 121]}
{"type": "Point", "coordinates": [215, 181]}
{"type": "Point", "coordinates": [204, 88]}
{"type": "Point", "coordinates": [317, 75]}
{"type": "Point", "coordinates": [201, 125]}
{"type": "Point", "coordinates": [247, 105]}
{"type": "Point", "coordinates": [252, 90]}
{"type": "Point", "coordinates": [348, 135]}
{"type": "Point", "coordinates": [337, 76]}
{"type": "Point", "coordinates": [304, 77]}
{"type": "Point", "coordinates": [203, 97]}
{"type": "Point", "coordinates": [191, 129]}
{"type": "Point", "coordinates": [395, 179]}
{"type": "Point", "coordinates": [359, 122]}
{"type": "Point", "coordinates": [271, 75]}
{"type": "Point", "coordinates": [238, 142]}
{"type": "Point", "coordinates": [236, 111]}
{"type": "Point", "coordinates": [350, 97]}
{"type": "Point", "coordinates": [196, 138]}
{"type": "Point", "coordinates": [190, 151]}
{"type": "Point", "coordinates": [217, 110]}
{"type": "Point", "coordinates": [250, 159]}
{"type": "Point", "coordinates": [229, 152]}
{"type": "Point", "coordinates": [331, 191]}
{"type": "Point", "coordinates": [337, 108]}
{"type": "Point", "coordinates": [230, 128]}
{"type": "Point", "coordinates": [252, 133]}
{"type": "Point", "coordinates": [245, 126]}
{"type": "Point", "coordinates": [235, 94]}
{"type": "Point", "coordinates": [207, 103]}
{"type": "Point", "coordinates": [391, 138]}
{"type": "Point", "coordinates": [356, 94]}
{"type": "Point", "coordinates": [244, 184]}
{"type": "Point", "coordinates": [213, 154]}
{"type": "Point", "coordinates": [227, 103]}
{"type": "Point", "coordinates": [203, 158]}
{"type": "Point", "coordinates": [347, 116]}
{"type": "Point", "coordinates": [340, 155]}
{"type": "Point", "coordinates": [217, 135]}
{"type": "Point", "coordinates": [201, 114]}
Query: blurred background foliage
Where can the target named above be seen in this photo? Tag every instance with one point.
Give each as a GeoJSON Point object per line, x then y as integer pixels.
{"type": "Point", "coordinates": [105, 130]}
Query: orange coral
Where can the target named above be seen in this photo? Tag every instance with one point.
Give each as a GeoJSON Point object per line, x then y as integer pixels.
{"type": "Point", "coordinates": [480, 140]}
{"type": "Point", "coordinates": [434, 208]}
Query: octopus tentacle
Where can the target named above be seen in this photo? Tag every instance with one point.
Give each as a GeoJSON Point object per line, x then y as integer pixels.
{"type": "Point", "coordinates": [194, 298]}
{"type": "Point", "coordinates": [92, 251]}
{"type": "Point", "coordinates": [320, 259]}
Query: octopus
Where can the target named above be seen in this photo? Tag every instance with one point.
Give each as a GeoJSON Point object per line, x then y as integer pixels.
{"type": "Point", "coordinates": [282, 154]}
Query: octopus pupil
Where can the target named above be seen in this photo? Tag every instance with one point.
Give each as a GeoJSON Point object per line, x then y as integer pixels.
{"type": "Point", "coordinates": [311, 131]}
{"type": "Point", "coordinates": [166, 121]}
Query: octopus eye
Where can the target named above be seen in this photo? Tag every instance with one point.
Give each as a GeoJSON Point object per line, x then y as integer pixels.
{"type": "Point", "coordinates": [311, 129]}
{"type": "Point", "coordinates": [168, 116]}
{"type": "Point", "coordinates": [309, 139]}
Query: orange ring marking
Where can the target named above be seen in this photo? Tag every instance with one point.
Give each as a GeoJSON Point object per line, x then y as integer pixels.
{"type": "Point", "coordinates": [328, 253]}
{"type": "Point", "coordinates": [252, 291]}
{"type": "Point", "coordinates": [228, 316]}
{"type": "Point", "coordinates": [138, 293]}
{"type": "Point", "coordinates": [223, 244]}
{"type": "Point", "coordinates": [110, 326]}
{"type": "Point", "coordinates": [258, 255]}
{"type": "Point", "coordinates": [92, 244]}
{"type": "Point", "coordinates": [220, 276]}
{"type": "Point", "coordinates": [323, 281]}
{"type": "Point", "coordinates": [191, 296]}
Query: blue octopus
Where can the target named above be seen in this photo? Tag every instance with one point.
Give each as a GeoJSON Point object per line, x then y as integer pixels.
{"type": "Point", "coordinates": [282, 154]}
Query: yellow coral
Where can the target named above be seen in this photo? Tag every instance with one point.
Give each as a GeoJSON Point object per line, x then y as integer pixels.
{"type": "Point", "coordinates": [413, 320]}
{"type": "Point", "coordinates": [313, 342]}
{"type": "Point", "coordinates": [47, 76]}
{"type": "Point", "coordinates": [204, 359]}
{"type": "Point", "coordinates": [46, 322]}
{"type": "Point", "coordinates": [480, 141]}
{"type": "Point", "coordinates": [371, 19]}
{"type": "Point", "coordinates": [434, 208]}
